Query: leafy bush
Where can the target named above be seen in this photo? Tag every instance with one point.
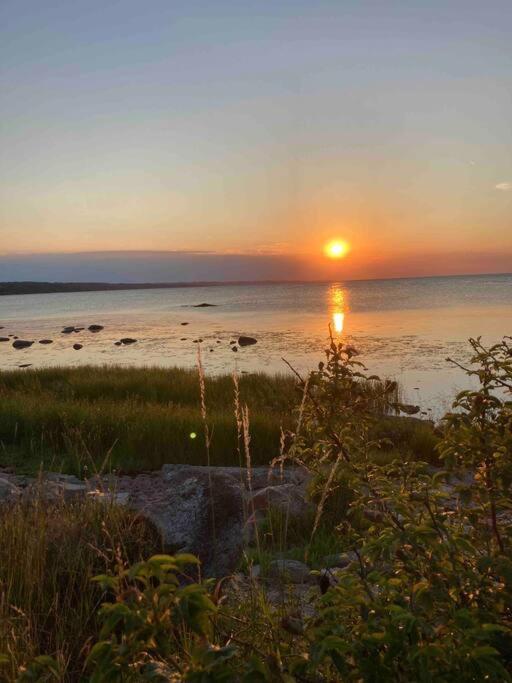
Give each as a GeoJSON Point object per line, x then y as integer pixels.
{"type": "Point", "coordinates": [429, 596]}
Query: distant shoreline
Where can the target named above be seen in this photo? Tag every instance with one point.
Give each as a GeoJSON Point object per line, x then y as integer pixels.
{"type": "Point", "coordinates": [10, 288]}
{"type": "Point", "coordinates": [30, 287]}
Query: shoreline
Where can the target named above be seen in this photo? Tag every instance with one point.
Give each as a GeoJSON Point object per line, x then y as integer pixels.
{"type": "Point", "coordinates": [10, 288]}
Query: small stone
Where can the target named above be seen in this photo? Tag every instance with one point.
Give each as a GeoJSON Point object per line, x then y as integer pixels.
{"type": "Point", "coordinates": [184, 323]}
{"type": "Point", "coordinates": [25, 365]}
{"type": "Point", "coordinates": [128, 340]}
{"type": "Point", "coordinates": [8, 490]}
{"type": "Point", "coordinates": [246, 341]}
{"type": "Point", "coordinates": [46, 341]}
{"type": "Point", "coordinates": [77, 347]}
{"type": "Point", "coordinates": [254, 571]}
{"type": "Point", "coordinates": [234, 348]}
{"type": "Point", "coordinates": [21, 344]}
{"type": "Point", "coordinates": [203, 305]}
{"type": "Point", "coordinates": [290, 570]}
{"type": "Point", "coordinates": [95, 328]}
{"type": "Point", "coordinates": [118, 343]}
{"type": "Point", "coordinates": [4, 339]}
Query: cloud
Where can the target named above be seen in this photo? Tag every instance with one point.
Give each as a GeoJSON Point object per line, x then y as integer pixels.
{"type": "Point", "coordinates": [504, 187]}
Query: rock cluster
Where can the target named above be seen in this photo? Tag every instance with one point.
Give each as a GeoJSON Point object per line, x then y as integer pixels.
{"type": "Point", "coordinates": [208, 511]}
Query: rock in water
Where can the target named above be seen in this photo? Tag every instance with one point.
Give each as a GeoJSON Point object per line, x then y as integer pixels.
{"type": "Point", "coordinates": [46, 341]}
{"type": "Point", "coordinates": [204, 305]}
{"type": "Point", "coordinates": [95, 328]}
{"type": "Point", "coordinates": [4, 339]}
{"type": "Point", "coordinates": [246, 341]}
{"type": "Point", "coordinates": [77, 347]}
{"type": "Point", "coordinates": [22, 344]}
{"type": "Point", "coordinates": [128, 340]}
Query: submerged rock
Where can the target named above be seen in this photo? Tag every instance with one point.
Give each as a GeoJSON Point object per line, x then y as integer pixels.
{"type": "Point", "coordinates": [95, 328]}
{"type": "Point", "coordinates": [127, 340]}
{"type": "Point", "coordinates": [22, 344]}
{"type": "Point", "coordinates": [77, 347]}
{"type": "Point", "coordinates": [46, 341]}
{"type": "Point", "coordinates": [4, 339]}
{"type": "Point", "coordinates": [246, 341]}
{"type": "Point", "coordinates": [203, 305]}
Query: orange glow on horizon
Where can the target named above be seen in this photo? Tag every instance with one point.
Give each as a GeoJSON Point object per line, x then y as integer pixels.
{"type": "Point", "coordinates": [336, 249]}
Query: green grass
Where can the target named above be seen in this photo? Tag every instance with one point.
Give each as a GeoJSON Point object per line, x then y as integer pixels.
{"type": "Point", "coordinates": [132, 419]}
{"type": "Point", "coordinates": [136, 419]}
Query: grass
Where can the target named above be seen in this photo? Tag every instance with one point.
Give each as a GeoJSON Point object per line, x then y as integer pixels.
{"type": "Point", "coordinates": [67, 419]}
{"type": "Point", "coordinates": [76, 419]}
{"type": "Point", "coordinates": [48, 555]}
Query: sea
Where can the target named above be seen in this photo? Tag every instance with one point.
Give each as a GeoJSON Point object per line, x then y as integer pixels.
{"type": "Point", "coordinates": [404, 329]}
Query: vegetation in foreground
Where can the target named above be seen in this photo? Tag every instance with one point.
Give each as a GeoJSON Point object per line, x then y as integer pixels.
{"type": "Point", "coordinates": [427, 596]}
{"type": "Point", "coordinates": [74, 420]}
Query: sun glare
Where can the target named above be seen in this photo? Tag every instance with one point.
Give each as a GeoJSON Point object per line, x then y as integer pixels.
{"type": "Point", "coordinates": [336, 249]}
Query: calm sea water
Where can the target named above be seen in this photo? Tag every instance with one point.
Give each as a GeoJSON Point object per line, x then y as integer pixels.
{"type": "Point", "coordinates": [403, 328]}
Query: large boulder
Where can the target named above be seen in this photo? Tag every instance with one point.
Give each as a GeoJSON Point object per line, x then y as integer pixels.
{"type": "Point", "coordinates": [197, 510]}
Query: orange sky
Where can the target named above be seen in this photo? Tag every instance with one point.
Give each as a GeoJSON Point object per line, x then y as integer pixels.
{"type": "Point", "coordinates": [221, 127]}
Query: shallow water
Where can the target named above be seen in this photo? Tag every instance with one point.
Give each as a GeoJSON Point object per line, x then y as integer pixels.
{"type": "Point", "coordinates": [403, 328]}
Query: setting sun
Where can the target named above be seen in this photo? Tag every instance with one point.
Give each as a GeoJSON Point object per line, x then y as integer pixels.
{"type": "Point", "coordinates": [336, 249]}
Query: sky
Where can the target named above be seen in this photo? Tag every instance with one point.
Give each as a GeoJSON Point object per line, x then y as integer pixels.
{"type": "Point", "coordinates": [231, 140]}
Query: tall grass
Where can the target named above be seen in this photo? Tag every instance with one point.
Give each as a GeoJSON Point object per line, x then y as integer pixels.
{"type": "Point", "coordinates": [48, 556]}
{"type": "Point", "coordinates": [68, 419]}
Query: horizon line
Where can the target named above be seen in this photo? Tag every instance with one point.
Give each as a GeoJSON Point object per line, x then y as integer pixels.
{"type": "Point", "coordinates": [220, 283]}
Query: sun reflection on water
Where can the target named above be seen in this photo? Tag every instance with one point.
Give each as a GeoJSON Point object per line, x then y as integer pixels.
{"type": "Point", "coordinates": [338, 320]}
{"type": "Point", "coordinates": [338, 308]}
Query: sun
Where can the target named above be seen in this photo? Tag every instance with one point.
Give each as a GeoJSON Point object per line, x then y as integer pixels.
{"type": "Point", "coordinates": [336, 249]}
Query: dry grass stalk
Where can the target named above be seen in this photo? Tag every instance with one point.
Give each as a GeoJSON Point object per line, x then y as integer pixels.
{"type": "Point", "coordinates": [207, 434]}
